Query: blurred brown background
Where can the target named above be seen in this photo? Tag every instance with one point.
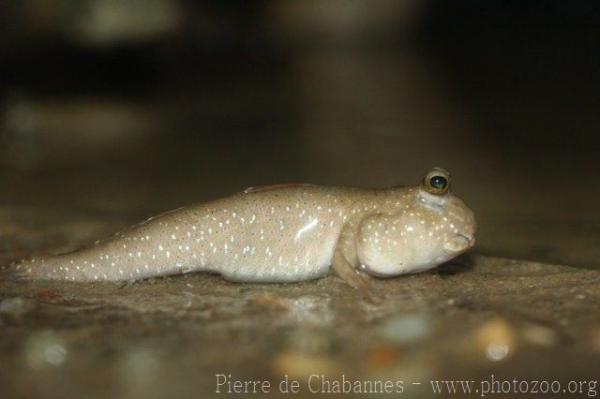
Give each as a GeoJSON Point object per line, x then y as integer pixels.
{"type": "Point", "coordinates": [115, 110]}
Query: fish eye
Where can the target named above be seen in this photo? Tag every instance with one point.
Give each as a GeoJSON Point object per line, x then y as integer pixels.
{"type": "Point", "coordinates": [437, 181]}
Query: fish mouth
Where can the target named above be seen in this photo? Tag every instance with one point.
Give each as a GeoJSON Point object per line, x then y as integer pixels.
{"type": "Point", "coordinates": [459, 243]}
{"type": "Point", "coordinates": [469, 238]}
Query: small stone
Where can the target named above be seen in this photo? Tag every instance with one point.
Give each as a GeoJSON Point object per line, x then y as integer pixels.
{"type": "Point", "coordinates": [45, 348]}
{"type": "Point", "coordinates": [383, 356]}
{"type": "Point", "coordinates": [270, 301]}
{"type": "Point", "coordinates": [15, 306]}
{"type": "Point", "coordinates": [496, 339]}
{"type": "Point", "coordinates": [540, 335]}
{"type": "Point", "coordinates": [311, 310]}
{"type": "Point", "coordinates": [405, 329]}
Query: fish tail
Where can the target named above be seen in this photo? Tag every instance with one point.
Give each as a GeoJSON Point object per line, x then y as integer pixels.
{"type": "Point", "coordinates": [36, 268]}
{"type": "Point", "coordinates": [47, 267]}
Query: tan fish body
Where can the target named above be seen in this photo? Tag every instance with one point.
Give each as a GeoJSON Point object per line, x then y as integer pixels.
{"type": "Point", "coordinates": [282, 234]}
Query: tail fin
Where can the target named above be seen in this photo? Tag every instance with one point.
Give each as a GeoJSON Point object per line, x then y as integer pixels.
{"type": "Point", "coordinates": [40, 268]}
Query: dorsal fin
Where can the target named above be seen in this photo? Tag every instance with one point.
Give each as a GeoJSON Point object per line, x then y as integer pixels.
{"type": "Point", "coordinates": [273, 187]}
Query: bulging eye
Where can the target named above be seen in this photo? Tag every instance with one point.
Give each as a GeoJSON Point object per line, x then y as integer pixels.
{"type": "Point", "coordinates": [437, 181]}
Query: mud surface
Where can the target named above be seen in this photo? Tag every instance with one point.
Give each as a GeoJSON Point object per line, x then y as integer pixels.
{"type": "Point", "coordinates": [169, 337]}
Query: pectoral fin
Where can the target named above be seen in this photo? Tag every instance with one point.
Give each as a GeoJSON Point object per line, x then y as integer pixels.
{"type": "Point", "coordinates": [348, 272]}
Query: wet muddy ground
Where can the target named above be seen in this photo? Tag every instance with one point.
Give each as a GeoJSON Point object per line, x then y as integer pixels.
{"type": "Point", "coordinates": [470, 319]}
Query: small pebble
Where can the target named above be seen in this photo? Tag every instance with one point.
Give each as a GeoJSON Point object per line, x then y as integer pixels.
{"type": "Point", "coordinates": [270, 301]}
{"type": "Point", "coordinates": [496, 339]}
{"type": "Point", "coordinates": [15, 306]}
{"type": "Point", "coordinates": [540, 335]}
{"type": "Point", "coordinates": [383, 356]}
{"type": "Point", "coordinates": [311, 310]}
{"type": "Point", "coordinates": [405, 329]}
{"type": "Point", "coordinates": [45, 348]}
